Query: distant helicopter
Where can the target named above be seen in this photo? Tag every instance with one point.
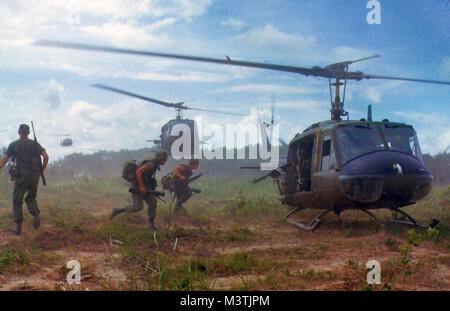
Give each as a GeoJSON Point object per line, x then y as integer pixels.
{"type": "Point", "coordinates": [269, 125]}
{"type": "Point", "coordinates": [66, 142]}
{"type": "Point", "coordinates": [337, 164]}
{"type": "Point", "coordinates": [166, 139]}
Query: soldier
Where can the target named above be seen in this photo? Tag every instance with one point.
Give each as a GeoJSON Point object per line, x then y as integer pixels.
{"type": "Point", "coordinates": [177, 184]}
{"type": "Point", "coordinates": [27, 156]}
{"type": "Point", "coordinates": [304, 168]}
{"type": "Point", "coordinates": [144, 182]}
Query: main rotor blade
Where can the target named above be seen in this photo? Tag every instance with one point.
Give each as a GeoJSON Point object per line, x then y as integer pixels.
{"type": "Point", "coordinates": [315, 71]}
{"type": "Point", "coordinates": [156, 101]}
{"type": "Point", "coordinates": [368, 76]}
{"type": "Point", "coordinates": [216, 111]}
{"type": "Point", "coordinates": [228, 61]}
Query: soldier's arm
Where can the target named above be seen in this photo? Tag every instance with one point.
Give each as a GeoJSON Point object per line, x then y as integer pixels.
{"type": "Point", "coordinates": [45, 156]}
{"type": "Point", "coordinates": [139, 172]}
{"type": "Point", "coordinates": [3, 161]}
{"type": "Point", "coordinates": [177, 171]}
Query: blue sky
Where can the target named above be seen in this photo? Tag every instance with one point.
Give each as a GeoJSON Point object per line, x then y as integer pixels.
{"type": "Point", "coordinates": [51, 86]}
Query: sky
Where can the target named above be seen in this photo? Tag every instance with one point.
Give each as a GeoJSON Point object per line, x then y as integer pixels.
{"type": "Point", "coordinates": [52, 86]}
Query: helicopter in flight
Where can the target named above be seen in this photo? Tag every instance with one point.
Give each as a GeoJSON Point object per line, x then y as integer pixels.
{"type": "Point", "coordinates": [167, 137]}
{"type": "Point", "coordinates": [337, 164]}
{"type": "Point", "coordinates": [66, 142]}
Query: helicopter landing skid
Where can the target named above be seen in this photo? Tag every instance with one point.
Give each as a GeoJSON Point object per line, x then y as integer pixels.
{"type": "Point", "coordinates": [311, 225]}
{"type": "Point", "coordinates": [434, 221]}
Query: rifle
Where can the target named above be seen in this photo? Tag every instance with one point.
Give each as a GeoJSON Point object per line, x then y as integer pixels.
{"type": "Point", "coordinates": [41, 170]}
{"type": "Point", "coordinates": [157, 194]}
{"type": "Point", "coordinates": [273, 173]}
{"type": "Point", "coordinates": [189, 180]}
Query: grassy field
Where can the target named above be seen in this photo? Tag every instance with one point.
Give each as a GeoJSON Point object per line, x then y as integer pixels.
{"type": "Point", "coordinates": [231, 236]}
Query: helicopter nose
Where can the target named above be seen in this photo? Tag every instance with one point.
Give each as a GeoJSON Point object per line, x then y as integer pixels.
{"type": "Point", "coordinates": [387, 175]}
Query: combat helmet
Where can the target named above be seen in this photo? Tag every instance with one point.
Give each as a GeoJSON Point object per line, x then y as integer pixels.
{"type": "Point", "coordinates": [161, 155]}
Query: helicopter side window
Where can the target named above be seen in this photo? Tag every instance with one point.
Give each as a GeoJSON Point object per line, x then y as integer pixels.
{"type": "Point", "coordinates": [328, 158]}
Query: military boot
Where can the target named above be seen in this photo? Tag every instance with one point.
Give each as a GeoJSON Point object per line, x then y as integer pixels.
{"type": "Point", "coordinates": [116, 211]}
{"type": "Point", "coordinates": [17, 230]}
{"type": "Point", "coordinates": [36, 221]}
{"type": "Point", "coordinates": [151, 225]}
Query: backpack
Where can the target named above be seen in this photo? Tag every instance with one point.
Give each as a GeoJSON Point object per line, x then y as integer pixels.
{"type": "Point", "coordinates": [167, 180]}
{"type": "Point", "coordinates": [129, 170]}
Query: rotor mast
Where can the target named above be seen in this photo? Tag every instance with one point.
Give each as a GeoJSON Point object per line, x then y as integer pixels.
{"type": "Point", "coordinates": [337, 107]}
{"type": "Point", "coordinates": [179, 113]}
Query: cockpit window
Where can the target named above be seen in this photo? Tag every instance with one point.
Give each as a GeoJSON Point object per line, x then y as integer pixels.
{"type": "Point", "coordinates": [356, 140]}
{"type": "Point", "coordinates": [401, 138]}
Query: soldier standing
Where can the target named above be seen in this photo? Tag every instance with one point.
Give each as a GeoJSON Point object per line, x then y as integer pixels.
{"type": "Point", "coordinates": [143, 184]}
{"type": "Point", "coordinates": [177, 183]}
{"type": "Point", "coordinates": [27, 156]}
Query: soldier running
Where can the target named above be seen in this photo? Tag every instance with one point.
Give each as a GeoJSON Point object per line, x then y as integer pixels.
{"type": "Point", "coordinates": [27, 156]}
{"type": "Point", "coordinates": [143, 184]}
{"type": "Point", "coordinates": [176, 182]}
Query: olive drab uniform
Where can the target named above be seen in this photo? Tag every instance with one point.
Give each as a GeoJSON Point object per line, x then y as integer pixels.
{"type": "Point", "coordinates": [179, 187]}
{"type": "Point", "coordinates": [26, 155]}
{"type": "Point", "coordinates": [148, 177]}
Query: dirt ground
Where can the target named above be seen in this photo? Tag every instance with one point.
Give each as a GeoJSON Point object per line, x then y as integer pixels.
{"type": "Point", "coordinates": [243, 253]}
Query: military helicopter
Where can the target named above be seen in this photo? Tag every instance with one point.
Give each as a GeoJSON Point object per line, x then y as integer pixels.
{"type": "Point", "coordinates": [269, 125]}
{"type": "Point", "coordinates": [66, 142]}
{"type": "Point", "coordinates": [167, 138]}
{"type": "Point", "coordinates": [337, 164]}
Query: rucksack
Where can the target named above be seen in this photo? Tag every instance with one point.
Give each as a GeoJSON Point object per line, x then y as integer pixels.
{"type": "Point", "coordinates": [167, 180]}
{"type": "Point", "coordinates": [129, 170]}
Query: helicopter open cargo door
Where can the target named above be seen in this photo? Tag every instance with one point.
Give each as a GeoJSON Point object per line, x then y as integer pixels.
{"type": "Point", "coordinates": [300, 153]}
{"type": "Point", "coordinates": [324, 175]}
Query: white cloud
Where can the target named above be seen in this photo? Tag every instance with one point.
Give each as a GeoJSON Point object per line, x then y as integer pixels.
{"type": "Point", "coordinates": [53, 93]}
{"type": "Point", "coordinates": [193, 76]}
{"type": "Point", "coordinates": [373, 94]}
{"type": "Point", "coordinates": [129, 33]}
{"type": "Point", "coordinates": [233, 22]}
{"type": "Point", "coordinates": [432, 128]}
{"type": "Point", "coordinates": [270, 36]}
{"type": "Point", "coordinates": [184, 8]}
{"type": "Point", "coordinates": [265, 88]}
{"type": "Point", "coordinates": [307, 105]}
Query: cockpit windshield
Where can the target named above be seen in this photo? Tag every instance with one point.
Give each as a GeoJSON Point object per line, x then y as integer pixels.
{"type": "Point", "coordinates": [356, 140]}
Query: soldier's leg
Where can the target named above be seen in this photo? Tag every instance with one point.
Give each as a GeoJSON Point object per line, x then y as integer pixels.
{"type": "Point", "coordinates": [136, 205]}
{"type": "Point", "coordinates": [20, 188]}
{"type": "Point", "coordinates": [31, 201]}
{"type": "Point", "coordinates": [151, 202]}
{"type": "Point", "coordinates": [183, 194]}
{"type": "Point", "coordinates": [178, 205]}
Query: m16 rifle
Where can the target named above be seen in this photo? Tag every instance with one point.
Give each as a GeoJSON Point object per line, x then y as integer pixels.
{"type": "Point", "coordinates": [189, 180]}
{"type": "Point", "coordinates": [273, 173]}
{"type": "Point", "coordinates": [41, 170]}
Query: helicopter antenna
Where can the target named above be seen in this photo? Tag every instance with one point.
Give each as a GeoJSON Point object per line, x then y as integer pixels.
{"type": "Point", "coordinates": [336, 71]}
{"type": "Point", "coordinates": [369, 113]}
